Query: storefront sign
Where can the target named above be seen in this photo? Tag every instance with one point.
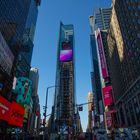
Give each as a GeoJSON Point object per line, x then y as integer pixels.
{"type": "Point", "coordinates": [4, 109]}
{"type": "Point", "coordinates": [16, 115]}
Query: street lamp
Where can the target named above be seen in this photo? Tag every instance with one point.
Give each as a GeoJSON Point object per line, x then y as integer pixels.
{"type": "Point", "coordinates": [45, 107]}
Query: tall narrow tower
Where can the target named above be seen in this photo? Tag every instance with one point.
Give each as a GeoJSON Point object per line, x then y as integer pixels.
{"type": "Point", "coordinates": [65, 78]}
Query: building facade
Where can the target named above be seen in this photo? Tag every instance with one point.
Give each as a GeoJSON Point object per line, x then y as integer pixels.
{"type": "Point", "coordinates": [16, 17]}
{"type": "Point", "coordinates": [11, 27]}
{"type": "Point", "coordinates": [123, 46]}
{"type": "Point", "coordinates": [90, 114]}
{"type": "Point", "coordinates": [100, 20]}
{"type": "Point", "coordinates": [65, 78]}
{"type": "Point", "coordinates": [35, 115]}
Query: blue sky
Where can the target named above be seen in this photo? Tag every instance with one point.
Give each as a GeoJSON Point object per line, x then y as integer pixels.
{"type": "Point", "coordinates": [75, 12]}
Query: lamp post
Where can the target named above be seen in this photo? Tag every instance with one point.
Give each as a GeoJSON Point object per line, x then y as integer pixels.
{"type": "Point", "coordinates": [45, 107]}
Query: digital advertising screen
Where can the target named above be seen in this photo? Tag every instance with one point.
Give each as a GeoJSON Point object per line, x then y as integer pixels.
{"type": "Point", "coordinates": [102, 55]}
{"type": "Point", "coordinates": [16, 115]}
{"type": "Point", "coordinates": [65, 55]}
{"type": "Point", "coordinates": [107, 94]}
{"type": "Point", "coordinates": [4, 108]}
{"type": "Point", "coordinates": [66, 46]}
{"type": "Point", "coordinates": [23, 89]}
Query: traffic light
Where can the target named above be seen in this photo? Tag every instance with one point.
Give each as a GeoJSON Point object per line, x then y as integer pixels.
{"type": "Point", "coordinates": [44, 122]}
{"type": "Point", "coordinates": [80, 108]}
{"type": "Point", "coordinates": [92, 106]}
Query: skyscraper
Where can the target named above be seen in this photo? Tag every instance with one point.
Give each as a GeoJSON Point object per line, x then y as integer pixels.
{"type": "Point", "coordinates": [100, 20]}
{"type": "Point", "coordinates": [25, 54]}
{"type": "Point", "coordinates": [124, 52]}
{"type": "Point", "coordinates": [90, 109]}
{"type": "Point", "coordinates": [16, 16]}
{"type": "Point", "coordinates": [13, 27]}
{"type": "Point", "coordinates": [65, 77]}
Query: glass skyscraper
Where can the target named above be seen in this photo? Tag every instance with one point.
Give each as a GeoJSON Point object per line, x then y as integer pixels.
{"type": "Point", "coordinates": [65, 77]}
{"type": "Point", "coordinates": [100, 20]}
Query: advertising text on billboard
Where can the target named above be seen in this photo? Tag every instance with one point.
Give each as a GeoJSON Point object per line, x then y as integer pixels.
{"type": "Point", "coordinates": [4, 109]}
{"type": "Point", "coordinates": [16, 115]}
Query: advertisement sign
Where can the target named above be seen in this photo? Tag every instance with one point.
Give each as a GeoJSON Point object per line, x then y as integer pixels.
{"type": "Point", "coordinates": [108, 119]}
{"type": "Point", "coordinates": [4, 109]}
{"type": "Point", "coordinates": [107, 94]}
{"type": "Point", "coordinates": [26, 111]}
{"type": "Point", "coordinates": [102, 55]}
{"type": "Point", "coordinates": [66, 46]}
{"type": "Point", "coordinates": [16, 115]}
{"type": "Point", "coordinates": [23, 89]}
{"type": "Point", "coordinates": [6, 56]}
{"type": "Point", "coordinates": [65, 55]}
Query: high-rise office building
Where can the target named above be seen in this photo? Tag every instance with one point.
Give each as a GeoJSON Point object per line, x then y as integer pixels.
{"type": "Point", "coordinates": [25, 54]}
{"type": "Point", "coordinates": [12, 25]}
{"type": "Point", "coordinates": [18, 49]}
{"type": "Point", "coordinates": [16, 16]}
{"type": "Point", "coordinates": [124, 53]}
{"type": "Point", "coordinates": [34, 76]}
{"type": "Point", "coordinates": [35, 114]}
{"type": "Point", "coordinates": [65, 77]}
{"type": "Point", "coordinates": [90, 109]}
{"type": "Point", "coordinates": [100, 20]}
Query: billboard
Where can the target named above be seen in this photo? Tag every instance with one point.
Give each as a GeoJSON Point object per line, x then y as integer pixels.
{"type": "Point", "coordinates": [65, 55]}
{"type": "Point", "coordinates": [4, 109]}
{"type": "Point", "coordinates": [108, 119]}
{"type": "Point", "coordinates": [6, 56]}
{"type": "Point", "coordinates": [66, 46]}
{"type": "Point", "coordinates": [26, 111]}
{"type": "Point", "coordinates": [23, 89]}
{"type": "Point", "coordinates": [101, 54]}
{"type": "Point", "coordinates": [107, 94]}
{"type": "Point", "coordinates": [16, 115]}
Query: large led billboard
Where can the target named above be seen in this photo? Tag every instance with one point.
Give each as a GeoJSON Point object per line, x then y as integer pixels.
{"type": "Point", "coordinates": [4, 109]}
{"type": "Point", "coordinates": [66, 46]}
{"type": "Point", "coordinates": [23, 89]}
{"type": "Point", "coordinates": [108, 119]}
{"type": "Point", "coordinates": [65, 55]}
{"type": "Point", "coordinates": [107, 94]}
{"type": "Point", "coordinates": [101, 54]}
{"type": "Point", "coordinates": [16, 115]}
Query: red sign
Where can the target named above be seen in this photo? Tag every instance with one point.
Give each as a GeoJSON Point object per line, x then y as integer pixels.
{"type": "Point", "coordinates": [107, 93]}
{"type": "Point", "coordinates": [102, 55]}
{"type": "Point", "coordinates": [4, 109]}
{"type": "Point", "coordinates": [16, 115]}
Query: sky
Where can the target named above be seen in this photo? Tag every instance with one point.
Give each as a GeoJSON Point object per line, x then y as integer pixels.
{"type": "Point", "coordinates": [75, 12]}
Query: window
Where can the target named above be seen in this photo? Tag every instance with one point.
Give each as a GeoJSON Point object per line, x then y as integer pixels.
{"type": "Point", "coordinates": [138, 7]}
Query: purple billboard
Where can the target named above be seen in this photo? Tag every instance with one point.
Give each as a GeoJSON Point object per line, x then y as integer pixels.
{"type": "Point", "coordinates": [65, 55]}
